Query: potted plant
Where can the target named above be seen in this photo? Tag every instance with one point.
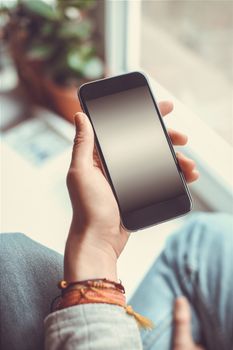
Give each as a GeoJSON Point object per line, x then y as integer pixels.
{"type": "Point", "coordinates": [54, 49]}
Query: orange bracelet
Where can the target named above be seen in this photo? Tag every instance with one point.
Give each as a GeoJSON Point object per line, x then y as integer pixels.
{"type": "Point", "coordinates": [87, 292]}
{"type": "Point", "coordinates": [90, 295]}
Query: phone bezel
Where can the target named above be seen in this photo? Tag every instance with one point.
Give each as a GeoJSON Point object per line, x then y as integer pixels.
{"type": "Point", "coordinates": [119, 83]}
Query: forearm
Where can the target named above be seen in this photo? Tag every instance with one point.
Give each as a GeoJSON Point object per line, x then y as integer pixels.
{"type": "Point", "coordinates": [87, 257]}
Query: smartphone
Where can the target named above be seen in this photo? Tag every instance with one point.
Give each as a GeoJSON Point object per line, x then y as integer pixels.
{"type": "Point", "coordinates": [135, 150]}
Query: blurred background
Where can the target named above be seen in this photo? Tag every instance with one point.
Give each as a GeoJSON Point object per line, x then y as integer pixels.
{"type": "Point", "coordinates": [49, 48]}
{"type": "Point", "coordinates": [197, 37]}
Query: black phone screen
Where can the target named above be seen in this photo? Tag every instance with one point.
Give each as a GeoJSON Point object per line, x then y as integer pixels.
{"type": "Point", "coordinates": [134, 146]}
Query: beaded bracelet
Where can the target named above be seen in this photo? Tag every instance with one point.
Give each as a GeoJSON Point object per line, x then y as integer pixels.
{"type": "Point", "coordinates": [96, 283]}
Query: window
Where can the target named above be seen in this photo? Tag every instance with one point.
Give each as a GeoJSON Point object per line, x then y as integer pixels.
{"type": "Point", "coordinates": [187, 47]}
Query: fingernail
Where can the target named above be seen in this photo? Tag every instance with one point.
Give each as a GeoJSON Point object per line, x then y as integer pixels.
{"type": "Point", "coordinates": [182, 311]}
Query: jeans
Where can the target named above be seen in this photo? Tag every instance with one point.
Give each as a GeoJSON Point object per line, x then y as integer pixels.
{"type": "Point", "coordinates": [197, 262]}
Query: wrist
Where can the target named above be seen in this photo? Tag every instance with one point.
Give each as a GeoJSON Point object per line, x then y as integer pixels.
{"type": "Point", "coordinates": [86, 259]}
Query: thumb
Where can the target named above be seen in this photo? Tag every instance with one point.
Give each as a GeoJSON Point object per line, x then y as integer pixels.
{"type": "Point", "coordinates": [83, 147]}
{"type": "Point", "coordinates": [182, 336]}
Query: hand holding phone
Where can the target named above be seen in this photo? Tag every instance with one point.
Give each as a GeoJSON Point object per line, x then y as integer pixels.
{"type": "Point", "coordinates": [96, 233]}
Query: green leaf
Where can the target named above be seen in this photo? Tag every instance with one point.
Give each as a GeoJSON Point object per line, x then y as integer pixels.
{"type": "Point", "coordinates": [75, 61]}
{"type": "Point", "coordinates": [40, 8]}
{"type": "Point", "coordinates": [86, 50]}
{"type": "Point", "coordinates": [79, 4]}
{"type": "Point", "coordinates": [93, 68]}
{"type": "Point", "coordinates": [39, 52]}
{"type": "Point", "coordinates": [72, 29]}
{"type": "Point", "coordinates": [72, 13]}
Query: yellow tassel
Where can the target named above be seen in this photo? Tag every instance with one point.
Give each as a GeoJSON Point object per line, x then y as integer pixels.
{"type": "Point", "coordinates": [142, 321]}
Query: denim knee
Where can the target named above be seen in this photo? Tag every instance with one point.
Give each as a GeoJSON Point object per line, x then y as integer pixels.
{"type": "Point", "coordinates": [213, 226]}
{"type": "Point", "coordinates": [204, 237]}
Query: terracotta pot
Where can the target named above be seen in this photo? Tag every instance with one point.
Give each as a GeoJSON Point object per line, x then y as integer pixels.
{"type": "Point", "coordinates": [29, 72]}
{"type": "Point", "coordinates": [63, 100]}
